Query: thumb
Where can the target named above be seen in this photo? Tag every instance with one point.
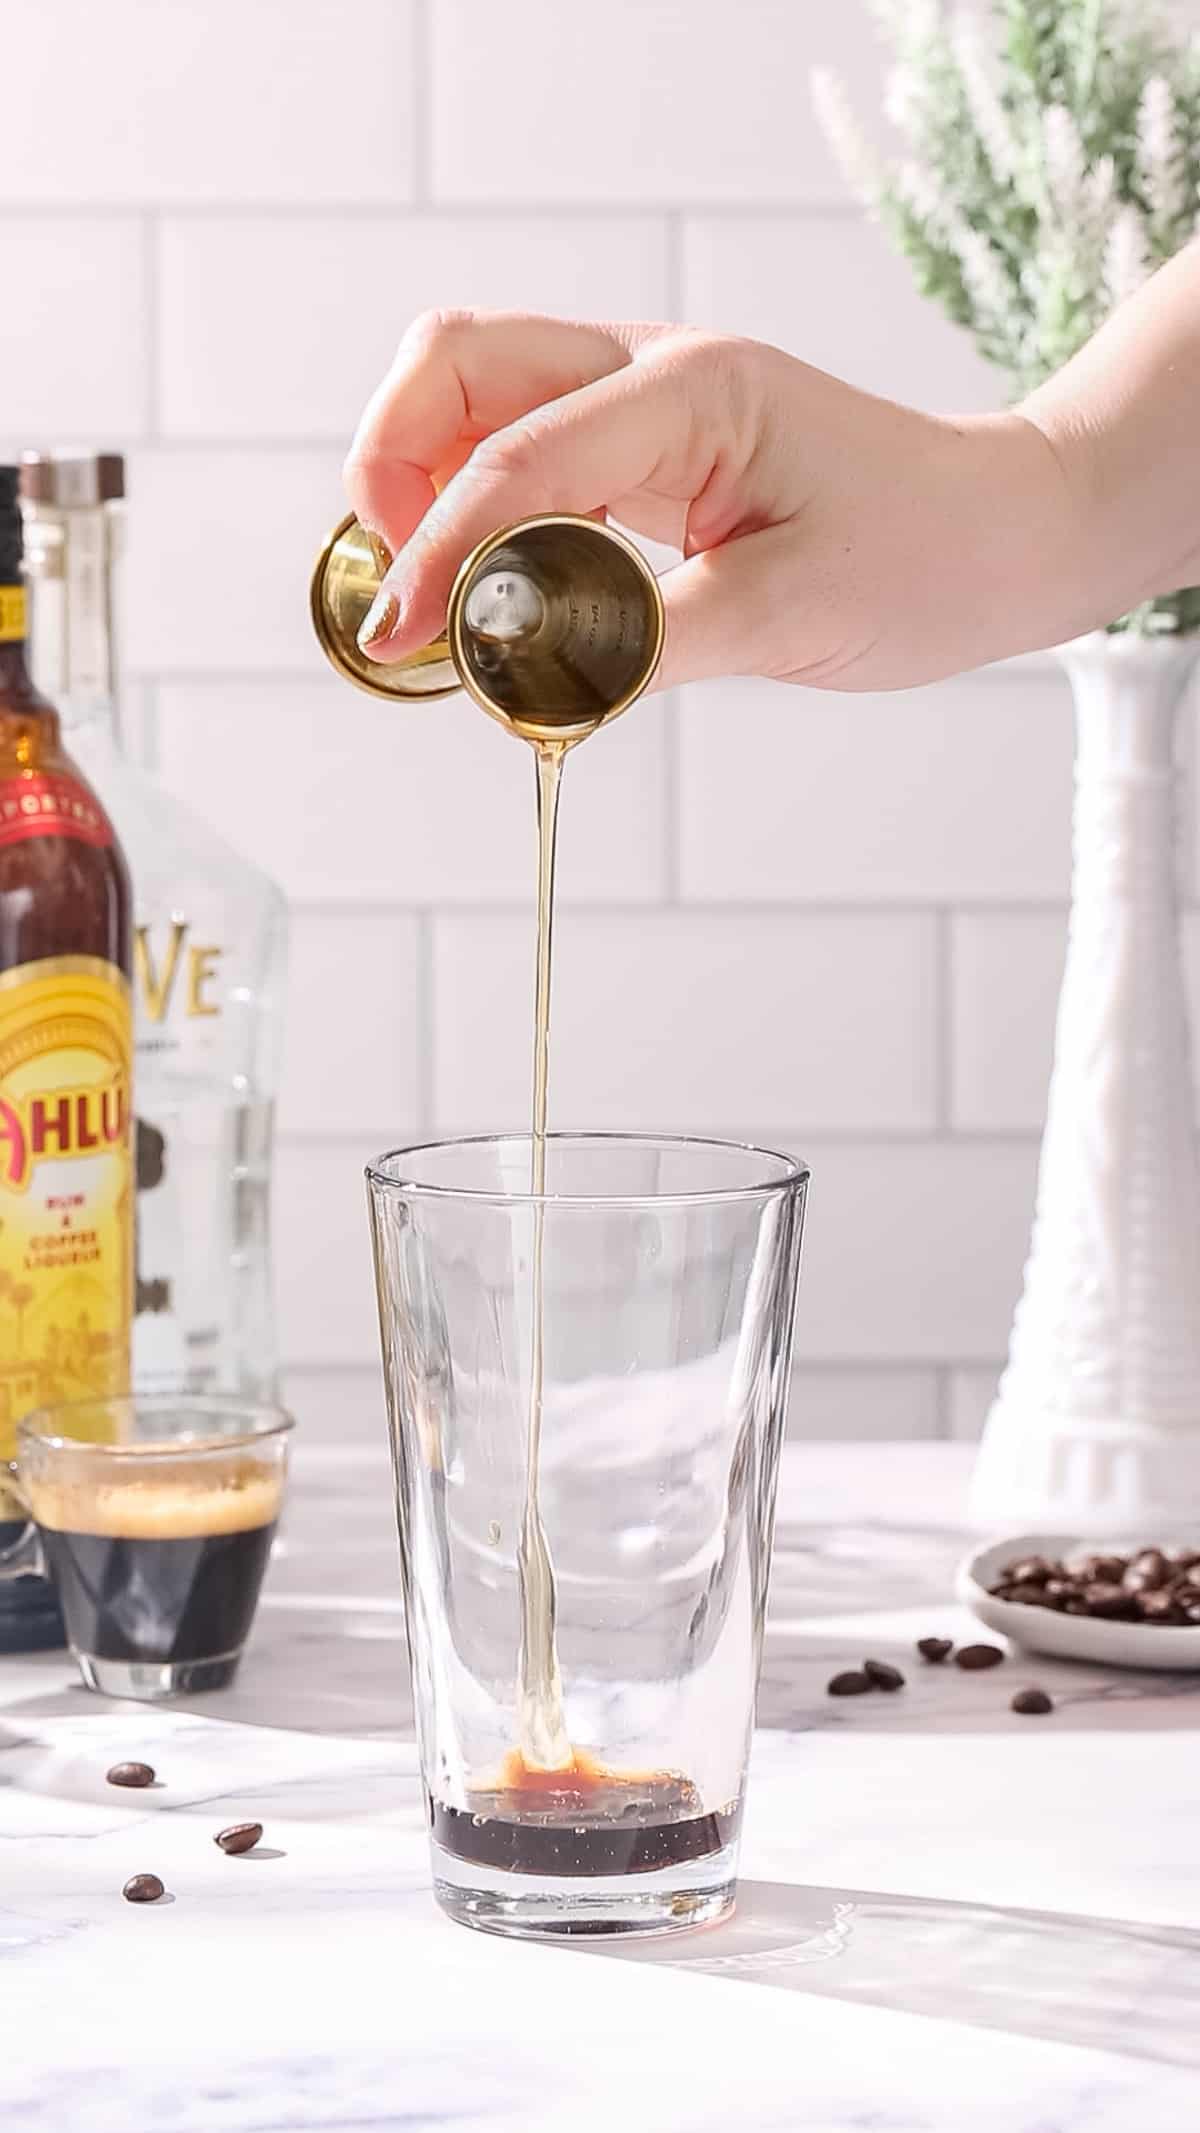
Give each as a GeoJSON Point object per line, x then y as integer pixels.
{"type": "Point", "coordinates": [731, 609]}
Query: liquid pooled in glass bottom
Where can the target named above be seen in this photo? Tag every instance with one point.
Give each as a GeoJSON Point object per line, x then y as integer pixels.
{"type": "Point", "coordinates": [582, 1820]}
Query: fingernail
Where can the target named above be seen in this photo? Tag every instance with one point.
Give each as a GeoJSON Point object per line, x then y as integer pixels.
{"type": "Point", "coordinates": [381, 619]}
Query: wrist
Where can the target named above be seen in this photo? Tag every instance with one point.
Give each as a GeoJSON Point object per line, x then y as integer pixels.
{"type": "Point", "coordinates": [1038, 529]}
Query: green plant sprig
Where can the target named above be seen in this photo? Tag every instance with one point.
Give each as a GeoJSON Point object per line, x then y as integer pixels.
{"type": "Point", "coordinates": [1050, 163]}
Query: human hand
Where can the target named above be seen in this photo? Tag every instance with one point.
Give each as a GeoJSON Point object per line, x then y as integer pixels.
{"type": "Point", "coordinates": [828, 537]}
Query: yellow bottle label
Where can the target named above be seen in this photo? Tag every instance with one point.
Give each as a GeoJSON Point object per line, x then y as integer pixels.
{"type": "Point", "coordinates": [66, 1185]}
{"type": "Point", "coordinates": [12, 614]}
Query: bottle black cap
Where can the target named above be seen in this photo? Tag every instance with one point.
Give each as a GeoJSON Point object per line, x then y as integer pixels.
{"type": "Point", "coordinates": [11, 541]}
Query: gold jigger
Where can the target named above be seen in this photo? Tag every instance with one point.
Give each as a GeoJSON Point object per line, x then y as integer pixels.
{"type": "Point", "coordinates": [554, 625]}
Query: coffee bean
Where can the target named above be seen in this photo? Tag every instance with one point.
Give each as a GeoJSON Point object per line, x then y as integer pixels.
{"type": "Point", "coordinates": [935, 1649]}
{"type": "Point", "coordinates": [1191, 1609]}
{"type": "Point", "coordinates": [850, 1683]}
{"type": "Point", "coordinates": [881, 1675]}
{"type": "Point", "coordinates": [143, 1888]}
{"type": "Point", "coordinates": [133, 1774]}
{"type": "Point", "coordinates": [239, 1837]}
{"type": "Point", "coordinates": [974, 1657]}
{"type": "Point", "coordinates": [1101, 1569]}
{"type": "Point", "coordinates": [1147, 1572]}
{"type": "Point", "coordinates": [1159, 1607]}
{"type": "Point", "coordinates": [1031, 1570]}
{"type": "Point", "coordinates": [1032, 1703]}
{"type": "Point", "coordinates": [1109, 1602]}
{"type": "Point", "coordinates": [1029, 1596]}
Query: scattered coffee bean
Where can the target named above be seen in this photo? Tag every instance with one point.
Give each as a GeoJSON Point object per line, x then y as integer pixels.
{"type": "Point", "coordinates": [881, 1675]}
{"type": "Point", "coordinates": [143, 1888]}
{"type": "Point", "coordinates": [935, 1649]}
{"type": "Point", "coordinates": [851, 1683]}
{"type": "Point", "coordinates": [133, 1774]}
{"type": "Point", "coordinates": [239, 1837]}
{"type": "Point", "coordinates": [974, 1657]}
{"type": "Point", "coordinates": [1032, 1703]}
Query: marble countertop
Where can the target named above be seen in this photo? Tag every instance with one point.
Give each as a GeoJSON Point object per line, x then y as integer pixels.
{"type": "Point", "coordinates": [952, 1919]}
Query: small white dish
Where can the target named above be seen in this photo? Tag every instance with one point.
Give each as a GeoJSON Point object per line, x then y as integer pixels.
{"type": "Point", "coordinates": [1041, 1629]}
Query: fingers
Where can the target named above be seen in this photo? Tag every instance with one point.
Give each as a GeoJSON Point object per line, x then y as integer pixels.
{"type": "Point", "coordinates": [456, 378]}
{"type": "Point", "coordinates": [660, 423]}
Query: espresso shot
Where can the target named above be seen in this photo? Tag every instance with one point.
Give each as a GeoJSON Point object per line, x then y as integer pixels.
{"type": "Point", "coordinates": [155, 1520]}
{"type": "Point", "coordinates": [160, 1573]}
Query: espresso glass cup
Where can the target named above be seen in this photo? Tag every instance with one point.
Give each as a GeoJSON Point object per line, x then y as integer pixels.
{"type": "Point", "coordinates": [155, 1519]}
{"type": "Point", "coordinates": [585, 1625]}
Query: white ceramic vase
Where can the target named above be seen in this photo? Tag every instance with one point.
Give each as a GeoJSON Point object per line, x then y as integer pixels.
{"type": "Point", "coordinates": [1096, 1424]}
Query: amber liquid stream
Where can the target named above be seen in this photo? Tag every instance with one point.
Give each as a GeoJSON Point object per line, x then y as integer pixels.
{"type": "Point", "coordinates": [551, 1807]}
{"type": "Point", "coordinates": [541, 1727]}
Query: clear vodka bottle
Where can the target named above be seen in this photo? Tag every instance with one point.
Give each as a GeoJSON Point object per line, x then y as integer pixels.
{"type": "Point", "coordinates": [210, 948]}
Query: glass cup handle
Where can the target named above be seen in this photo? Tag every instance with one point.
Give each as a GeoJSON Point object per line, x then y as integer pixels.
{"type": "Point", "coordinates": [23, 1558]}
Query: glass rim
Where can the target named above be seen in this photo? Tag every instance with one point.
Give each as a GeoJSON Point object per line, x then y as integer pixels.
{"type": "Point", "coordinates": [260, 1420]}
{"type": "Point", "coordinates": [793, 1173]}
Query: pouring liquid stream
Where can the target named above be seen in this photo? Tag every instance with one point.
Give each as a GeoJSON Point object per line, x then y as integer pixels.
{"type": "Point", "coordinates": [542, 1737]}
{"type": "Point", "coordinates": [527, 1814]}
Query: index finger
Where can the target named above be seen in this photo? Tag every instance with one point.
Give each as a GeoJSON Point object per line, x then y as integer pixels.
{"type": "Point", "coordinates": [457, 377]}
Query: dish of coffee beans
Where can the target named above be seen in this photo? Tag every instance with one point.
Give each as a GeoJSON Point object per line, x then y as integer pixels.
{"type": "Point", "coordinates": [1080, 1599]}
{"type": "Point", "coordinates": [1158, 1585]}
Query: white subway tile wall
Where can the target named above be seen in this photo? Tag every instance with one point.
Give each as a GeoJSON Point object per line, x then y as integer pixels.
{"type": "Point", "coordinates": [836, 923]}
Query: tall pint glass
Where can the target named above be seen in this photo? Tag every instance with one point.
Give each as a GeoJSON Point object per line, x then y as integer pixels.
{"type": "Point", "coordinates": [586, 1394]}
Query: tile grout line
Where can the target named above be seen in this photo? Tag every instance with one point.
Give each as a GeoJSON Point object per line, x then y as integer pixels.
{"type": "Point", "coordinates": [450, 207]}
{"type": "Point", "coordinates": [942, 1404]}
{"type": "Point", "coordinates": [152, 324]}
{"type": "Point", "coordinates": [673, 266]}
{"type": "Point", "coordinates": [705, 909]}
{"type": "Point", "coordinates": [426, 1091]}
{"type": "Point", "coordinates": [943, 1021]}
{"type": "Point", "coordinates": [422, 105]}
{"type": "Point", "coordinates": [1186, 852]}
{"type": "Point", "coordinates": [899, 1367]}
{"type": "Point", "coordinates": [672, 825]}
{"type": "Point", "coordinates": [326, 448]}
{"type": "Point", "coordinates": [839, 1140]}
{"type": "Point", "coordinates": [148, 755]}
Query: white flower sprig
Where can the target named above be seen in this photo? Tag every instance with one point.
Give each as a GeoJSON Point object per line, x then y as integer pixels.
{"type": "Point", "coordinates": [1051, 162]}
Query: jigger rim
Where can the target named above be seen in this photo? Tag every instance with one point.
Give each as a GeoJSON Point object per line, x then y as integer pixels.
{"type": "Point", "coordinates": [790, 1171]}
